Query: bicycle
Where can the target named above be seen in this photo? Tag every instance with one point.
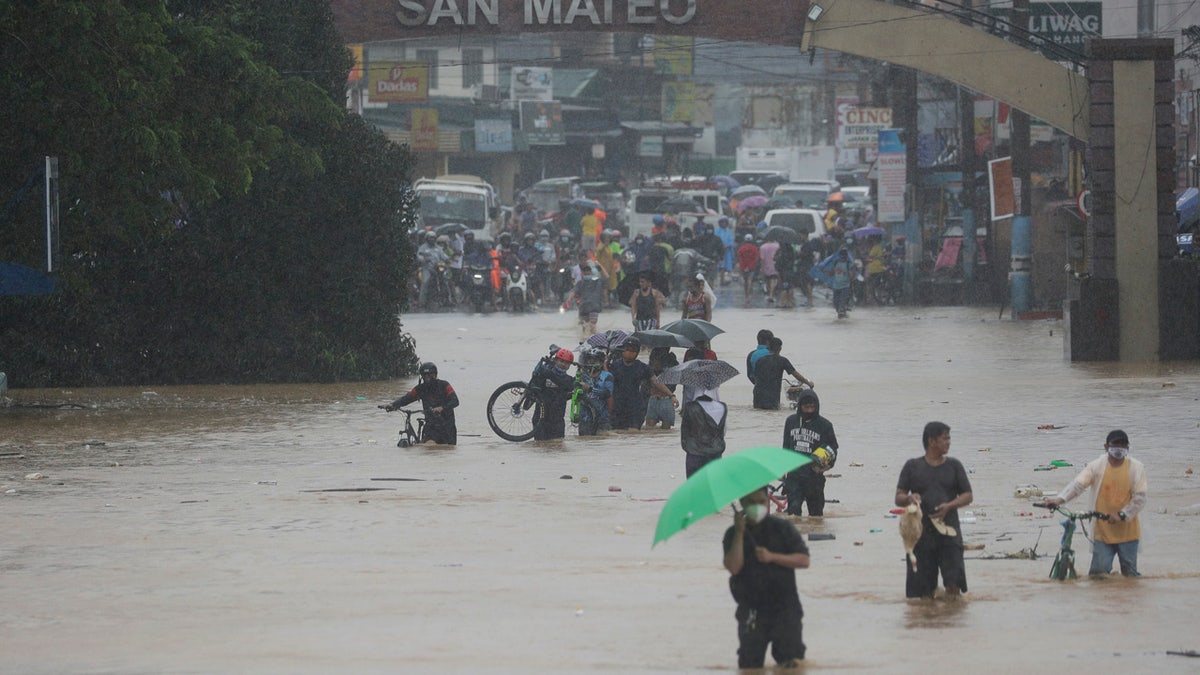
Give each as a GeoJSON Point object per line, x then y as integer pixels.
{"type": "Point", "coordinates": [1064, 563]}
{"type": "Point", "coordinates": [408, 435]}
{"type": "Point", "coordinates": [514, 411]}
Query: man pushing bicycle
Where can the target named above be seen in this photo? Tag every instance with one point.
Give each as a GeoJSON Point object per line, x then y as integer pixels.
{"type": "Point", "coordinates": [1118, 485]}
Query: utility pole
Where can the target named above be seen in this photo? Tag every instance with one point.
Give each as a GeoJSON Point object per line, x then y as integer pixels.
{"type": "Point", "coordinates": [966, 110]}
{"type": "Point", "coordinates": [1021, 264]}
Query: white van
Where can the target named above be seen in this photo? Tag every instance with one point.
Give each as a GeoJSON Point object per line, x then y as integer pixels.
{"type": "Point", "coordinates": [657, 197]}
{"type": "Point", "coordinates": [812, 194]}
{"type": "Point", "coordinates": [800, 220]}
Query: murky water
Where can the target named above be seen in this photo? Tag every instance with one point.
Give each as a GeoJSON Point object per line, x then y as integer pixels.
{"type": "Point", "coordinates": [189, 529]}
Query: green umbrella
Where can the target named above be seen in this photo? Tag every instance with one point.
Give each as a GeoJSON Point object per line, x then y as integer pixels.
{"type": "Point", "coordinates": [723, 481]}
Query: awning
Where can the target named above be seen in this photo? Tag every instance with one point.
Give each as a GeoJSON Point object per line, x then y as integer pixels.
{"type": "Point", "coordinates": [664, 128]}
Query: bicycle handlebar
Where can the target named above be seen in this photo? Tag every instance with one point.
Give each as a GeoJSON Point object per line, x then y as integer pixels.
{"type": "Point", "coordinates": [1073, 515]}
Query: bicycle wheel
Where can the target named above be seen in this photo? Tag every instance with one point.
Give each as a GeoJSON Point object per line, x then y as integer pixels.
{"type": "Point", "coordinates": [513, 412]}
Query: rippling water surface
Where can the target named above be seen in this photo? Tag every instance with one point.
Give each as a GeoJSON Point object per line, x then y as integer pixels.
{"type": "Point", "coordinates": [279, 529]}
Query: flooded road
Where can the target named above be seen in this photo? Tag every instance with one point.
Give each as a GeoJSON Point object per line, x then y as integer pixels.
{"type": "Point", "coordinates": [277, 529]}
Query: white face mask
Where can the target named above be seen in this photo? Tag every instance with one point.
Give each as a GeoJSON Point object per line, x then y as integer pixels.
{"type": "Point", "coordinates": [1117, 452]}
{"type": "Point", "coordinates": [755, 513]}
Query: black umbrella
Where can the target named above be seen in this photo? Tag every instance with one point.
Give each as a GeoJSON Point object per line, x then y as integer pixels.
{"type": "Point", "coordinates": [699, 373]}
{"type": "Point", "coordinates": [696, 330]}
{"type": "Point", "coordinates": [781, 234]}
{"type": "Point", "coordinates": [661, 338]}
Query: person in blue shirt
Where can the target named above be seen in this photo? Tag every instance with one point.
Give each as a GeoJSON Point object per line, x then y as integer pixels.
{"type": "Point", "coordinates": [764, 337]}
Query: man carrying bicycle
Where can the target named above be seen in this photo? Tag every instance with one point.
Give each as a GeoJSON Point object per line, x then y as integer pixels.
{"type": "Point", "coordinates": [556, 385]}
{"type": "Point", "coordinates": [1118, 485]}
{"type": "Point", "coordinates": [438, 400]}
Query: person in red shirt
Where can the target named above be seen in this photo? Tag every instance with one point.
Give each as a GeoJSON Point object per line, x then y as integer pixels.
{"type": "Point", "coordinates": [747, 258]}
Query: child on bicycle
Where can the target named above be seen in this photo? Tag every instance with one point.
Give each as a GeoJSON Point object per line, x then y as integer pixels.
{"type": "Point", "coordinates": [438, 400]}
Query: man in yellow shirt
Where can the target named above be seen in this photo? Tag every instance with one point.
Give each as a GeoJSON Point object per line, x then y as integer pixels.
{"type": "Point", "coordinates": [1118, 485]}
{"type": "Point", "coordinates": [589, 227]}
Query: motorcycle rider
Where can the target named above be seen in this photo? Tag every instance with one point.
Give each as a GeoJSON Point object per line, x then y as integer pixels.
{"type": "Point", "coordinates": [551, 377]}
{"type": "Point", "coordinates": [438, 401]}
{"type": "Point", "coordinates": [429, 255]}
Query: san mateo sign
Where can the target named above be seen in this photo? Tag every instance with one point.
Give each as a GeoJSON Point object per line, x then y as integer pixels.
{"type": "Point", "coordinates": [770, 22]}
{"type": "Point", "coordinates": [543, 12]}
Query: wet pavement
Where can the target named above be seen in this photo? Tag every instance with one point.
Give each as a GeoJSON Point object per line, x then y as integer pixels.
{"type": "Point", "coordinates": [278, 528]}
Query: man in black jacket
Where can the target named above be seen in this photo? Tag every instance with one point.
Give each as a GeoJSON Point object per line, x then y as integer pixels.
{"type": "Point", "coordinates": [438, 400]}
{"type": "Point", "coordinates": [809, 433]}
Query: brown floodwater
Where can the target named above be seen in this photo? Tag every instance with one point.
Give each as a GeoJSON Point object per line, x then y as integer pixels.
{"type": "Point", "coordinates": [278, 529]}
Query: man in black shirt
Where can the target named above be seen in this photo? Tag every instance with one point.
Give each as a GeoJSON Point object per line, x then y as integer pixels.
{"type": "Point", "coordinates": [768, 376]}
{"type": "Point", "coordinates": [939, 485]}
{"type": "Point", "coordinates": [762, 553]}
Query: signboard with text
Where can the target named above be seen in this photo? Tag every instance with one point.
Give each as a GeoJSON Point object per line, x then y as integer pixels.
{"type": "Point", "coordinates": [862, 126]}
{"type": "Point", "coordinates": [424, 129]}
{"type": "Point", "coordinates": [532, 84]}
{"type": "Point", "coordinates": [398, 82]}
{"type": "Point", "coordinates": [892, 180]}
{"type": "Point", "coordinates": [493, 136]}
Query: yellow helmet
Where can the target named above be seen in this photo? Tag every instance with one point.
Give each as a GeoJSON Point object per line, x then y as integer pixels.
{"type": "Point", "coordinates": [824, 456]}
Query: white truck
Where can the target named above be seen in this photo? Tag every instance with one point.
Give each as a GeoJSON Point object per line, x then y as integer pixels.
{"type": "Point", "coordinates": [796, 161]}
{"type": "Point", "coordinates": [458, 198]}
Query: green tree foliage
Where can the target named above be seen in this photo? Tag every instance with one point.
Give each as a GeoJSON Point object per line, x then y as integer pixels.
{"type": "Point", "coordinates": [223, 220]}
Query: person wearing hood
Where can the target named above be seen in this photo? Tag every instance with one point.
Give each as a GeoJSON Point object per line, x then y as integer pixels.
{"type": "Point", "coordinates": [1118, 484]}
{"type": "Point", "coordinates": [840, 267]}
{"type": "Point", "coordinates": [640, 248]}
{"type": "Point", "coordinates": [702, 429]}
{"type": "Point", "coordinates": [808, 433]}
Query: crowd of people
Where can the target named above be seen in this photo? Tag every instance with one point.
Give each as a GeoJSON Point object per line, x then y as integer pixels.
{"type": "Point", "coordinates": [762, 551]}
{"type": "Point", "coordinates": [583, 261]}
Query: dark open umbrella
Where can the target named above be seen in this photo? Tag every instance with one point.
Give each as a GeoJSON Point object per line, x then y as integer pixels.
{"type": "Point", "coordinates": [746, 191]}
{"type": "Point", "coordinates": [869, 231]}
{"type": "Point", "coordinates": [781, 234]}
{"type": "Point", "coordinates": [661, 338]}
{"type": "Point", "coordinates": [608, 339]}
{"type": "Point", "coordinates": [699, 373]}
{"type": "Point", "coordinates": [696, 330]}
